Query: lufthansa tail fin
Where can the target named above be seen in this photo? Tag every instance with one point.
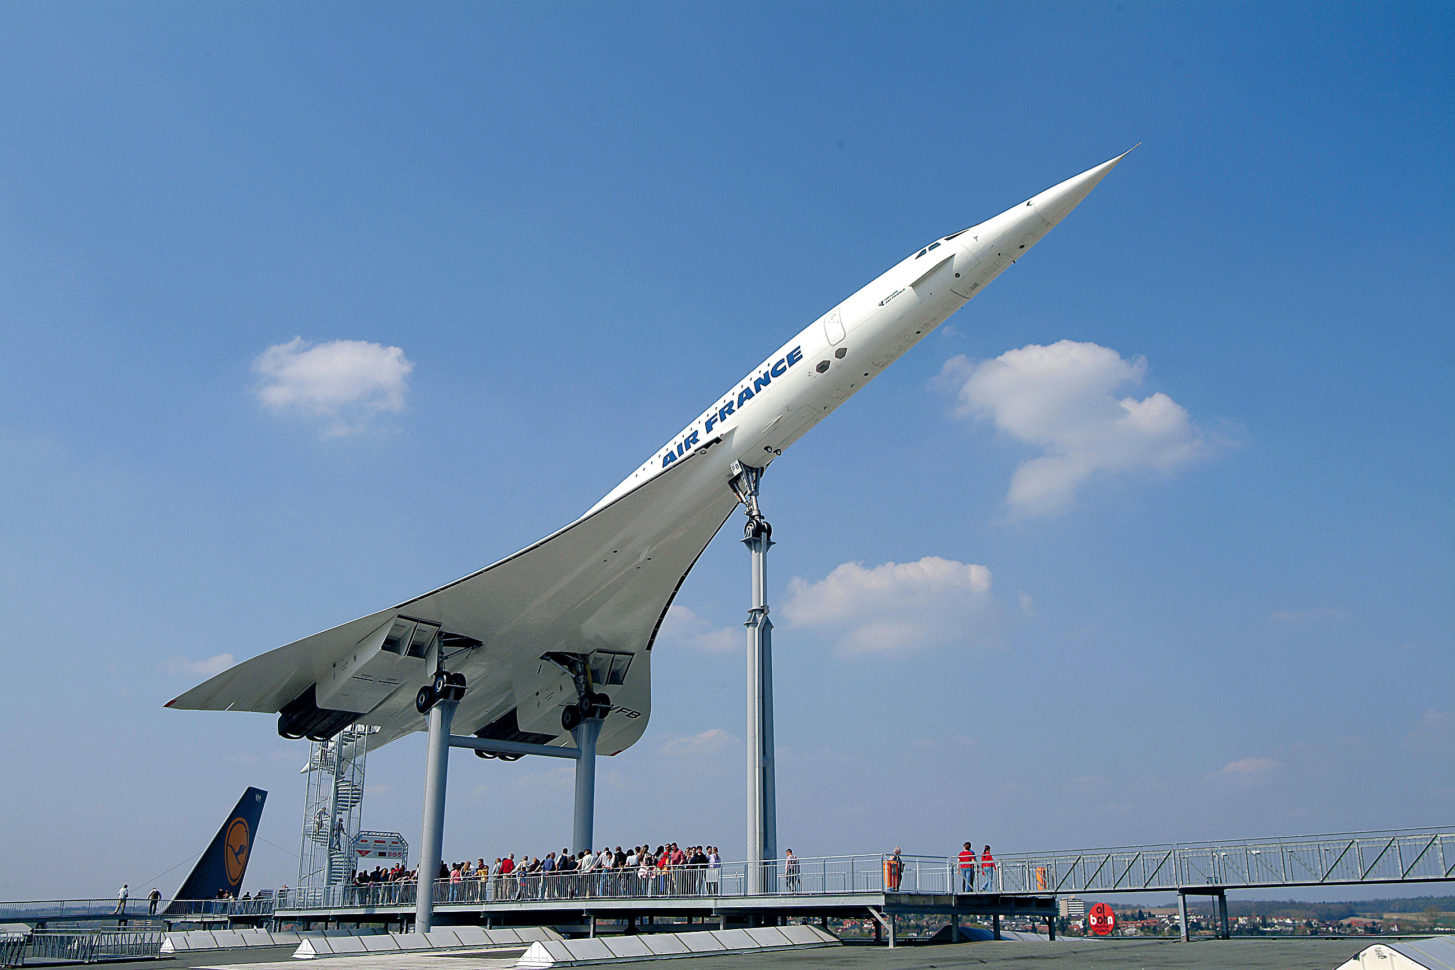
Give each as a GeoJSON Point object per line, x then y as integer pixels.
{"type": "Point", "coordinates": [221, 868]}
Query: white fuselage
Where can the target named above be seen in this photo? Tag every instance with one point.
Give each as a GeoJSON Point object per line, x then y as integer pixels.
{"type": "Point", "coordinates": [816, 371]}
{"type": "Point", "coordinates": [600, 587]}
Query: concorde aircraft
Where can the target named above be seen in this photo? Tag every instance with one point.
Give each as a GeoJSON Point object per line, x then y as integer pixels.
{"type": "Point", "coordinates": [563, 629]}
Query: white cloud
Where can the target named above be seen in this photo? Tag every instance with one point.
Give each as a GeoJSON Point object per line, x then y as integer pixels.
{"type": "Point", "coordinates": [183, 667]}
{"type": "Point", "coordinates": [1246, 768]}
{"type": "Point", "coordinates": [709, 742]}
{"type": "Point", "coordinates": [1433, 736]}
{"type": "Point", "coordinates": [348, 383]}
{"type": "Point", "coordinates": [895, 608]}
{"type": "Point", "coordinates": [1061, 398]}
{"type": "Point", "coordinates": [683, 626]}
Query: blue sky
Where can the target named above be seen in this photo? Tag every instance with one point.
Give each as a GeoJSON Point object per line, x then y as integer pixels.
{"type": "Point", "coordinates": [554, 232]}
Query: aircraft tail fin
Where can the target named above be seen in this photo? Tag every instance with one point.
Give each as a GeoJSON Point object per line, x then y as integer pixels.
{"type": "Point", "coordinates": [222, 866]}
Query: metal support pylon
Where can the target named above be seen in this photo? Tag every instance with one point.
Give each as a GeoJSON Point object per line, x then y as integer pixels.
{"type": "Point", "coordinates": [584, 720]}
{"type": "Point", "coordinates": [762, 851]}
{"type": "Point", "coordinates": [584, 815]}
{"type": "Point", "coordinates": [438, 702]}
{"type": "Point", "coordinates": [437, 764]}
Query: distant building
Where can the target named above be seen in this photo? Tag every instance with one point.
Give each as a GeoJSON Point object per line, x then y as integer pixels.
{"type": "Point", "coordinates": [1071, 907]}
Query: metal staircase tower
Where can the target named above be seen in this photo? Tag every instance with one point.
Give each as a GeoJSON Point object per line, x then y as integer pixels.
{"type": "Point", "coordinates": [333, 808]}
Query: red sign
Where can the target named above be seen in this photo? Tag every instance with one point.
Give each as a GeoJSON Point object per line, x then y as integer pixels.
{"type": "Point", "coordinates": [1101, 919]}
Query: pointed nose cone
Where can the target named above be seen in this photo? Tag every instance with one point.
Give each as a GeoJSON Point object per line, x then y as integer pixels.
{"type": "Point", "coordinates": [1056, 203]}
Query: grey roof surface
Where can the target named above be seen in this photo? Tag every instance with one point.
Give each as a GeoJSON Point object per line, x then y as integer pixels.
{"type": "Point", "coordinates": [1064, 954]}
{"type": "Point", "coordinates": [1436, 952]}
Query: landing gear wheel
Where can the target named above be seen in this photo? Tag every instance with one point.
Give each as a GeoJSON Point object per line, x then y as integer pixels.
{"type": "Point", "coordinates": [510, 757]}
{"type": "Point", "coordinates": [483, 754]}
{"type": "Point", "coordinates": [425, 699]}
{"type": "Point", "coordinates": [599, 704]}
{"type": "Point", "coordinates": [570, 717]}
{"type": "Point", "coordinates": [441, 681]}
{"type": "Point", "coordinates": [456, 689]}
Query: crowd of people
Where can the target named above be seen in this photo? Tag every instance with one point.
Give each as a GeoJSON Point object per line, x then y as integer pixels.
{"type": "Point", "coordinates": [669, 870]}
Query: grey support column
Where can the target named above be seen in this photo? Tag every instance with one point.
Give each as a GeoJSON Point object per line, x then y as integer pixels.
{"type": "Point", "coordinates": [762, 787]}
{"type": "Point", "coordinates": [431, 841]}
{"type": "Point", "coordinates": [584, 817]}
{"type": "Point", "coordinates": [762, 854]}
{"type": "Point", "coordinates": [1182, 916]}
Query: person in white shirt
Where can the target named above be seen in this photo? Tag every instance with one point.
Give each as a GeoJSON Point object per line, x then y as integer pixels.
{"type": "Point", "coordinates": [603, 868]}
{"type": "Point", "coordinates": [714, 869]}
{"type": "Point", "coordinates": [644, 872]}
{"type": "Point", "coordinates": [584, 866]}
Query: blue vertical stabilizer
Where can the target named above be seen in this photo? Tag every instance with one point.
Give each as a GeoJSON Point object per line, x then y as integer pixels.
{"type": "Point", "coordinates": [221, 868]}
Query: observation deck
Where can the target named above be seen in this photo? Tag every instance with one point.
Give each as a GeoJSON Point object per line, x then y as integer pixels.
{"type": "Point", "coordinates": [1023, 884]}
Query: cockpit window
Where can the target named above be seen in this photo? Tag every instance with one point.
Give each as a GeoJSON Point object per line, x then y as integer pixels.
{"type": "Point", "coordinates": [921, 253]}
{"type": "Point", "coordinates": [933, 246]}
{"type": "Point", "coordinates": [954, 234]}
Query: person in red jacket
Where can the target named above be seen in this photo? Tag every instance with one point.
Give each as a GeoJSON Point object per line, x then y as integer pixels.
{"type": "Point", "coordinates": [967, 869]}
{"type": "Point", "coordinates": [987, 871]}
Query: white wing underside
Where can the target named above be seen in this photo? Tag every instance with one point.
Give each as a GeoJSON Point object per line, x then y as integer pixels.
{"type": "Point", "coordinates": [603, 583]}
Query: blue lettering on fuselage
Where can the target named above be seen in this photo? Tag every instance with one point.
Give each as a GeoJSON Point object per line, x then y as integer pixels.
{"type": "Point", "coordinates": [755, 385]}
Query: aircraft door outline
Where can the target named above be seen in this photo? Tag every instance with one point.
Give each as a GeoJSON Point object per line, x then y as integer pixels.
{"type": "Point", "coordinates": [833, 327]}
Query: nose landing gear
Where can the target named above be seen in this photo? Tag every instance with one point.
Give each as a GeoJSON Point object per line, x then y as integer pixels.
{"type": "Point", "coordinates": [744, 484]}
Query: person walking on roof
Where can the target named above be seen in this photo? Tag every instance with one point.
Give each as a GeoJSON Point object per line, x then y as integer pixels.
{"type": "Point", "coordinates": [153, 897]}
{"type": "Point", "coordinates": [967, 869]}
{"type": "Point", "coordinates": [987, 871]}
{"type": "Point", "coordinates": [894, 870]}
{"type": "Point", "coordinates": [121, 895]}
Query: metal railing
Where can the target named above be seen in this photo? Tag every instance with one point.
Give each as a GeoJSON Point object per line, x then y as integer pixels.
{"type": "Point", "coordinates": [1394, 856]}
{"type": "Point", "coordinates": [82, 946]}
{"type": "Point", "coordinates": [134, 911]}
{"type": "Point", "coordinates": [257, 906]}
{"type": "Point", "coordinates": [828, 875]}
{"type": "Point", "coordinates": [33, 911]}
{"type": "Point", "coordinates": [1402, 855]}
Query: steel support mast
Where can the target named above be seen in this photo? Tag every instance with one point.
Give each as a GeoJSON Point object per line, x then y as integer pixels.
{"type": "Point", "coordinates": [762, 852]}
{"type": "Point", "coordinates": [432, 839]}
{"type": "Point", "coordinates": [584, 815]}
{"type": "Point", "coordinates": [438, 702]}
